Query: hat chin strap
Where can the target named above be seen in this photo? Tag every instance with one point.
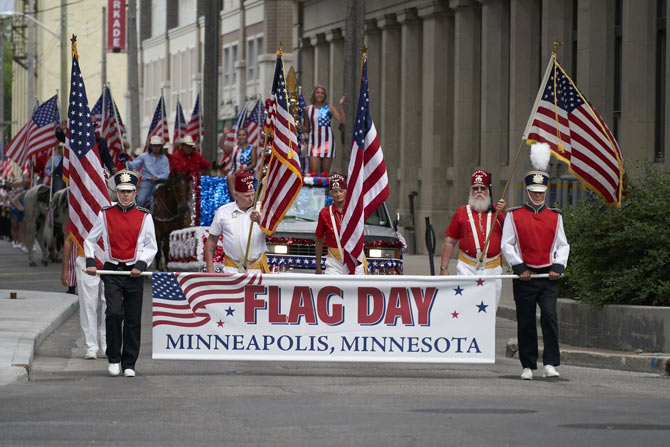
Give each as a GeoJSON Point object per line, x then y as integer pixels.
{"type": "Point", "coordinates": [530, 199]}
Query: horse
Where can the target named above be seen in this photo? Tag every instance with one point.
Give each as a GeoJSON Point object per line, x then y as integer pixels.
{"type": "Point", "coordinates": [36, 204]}
{"type": "Point", "coordinates": [170, 211]}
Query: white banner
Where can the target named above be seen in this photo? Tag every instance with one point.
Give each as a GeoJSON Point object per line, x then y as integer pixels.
{"type": "Point", "coordinates": [440, 319]}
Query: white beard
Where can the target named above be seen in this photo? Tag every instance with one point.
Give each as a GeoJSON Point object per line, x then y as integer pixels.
{"type": "Point", "coordinates": [479, 205]}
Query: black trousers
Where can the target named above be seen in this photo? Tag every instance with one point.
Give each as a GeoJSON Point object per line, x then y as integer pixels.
{"type": "Point", "coordinates": [123, 317]}
{"type": "Point", "coordinates": [527, 295]}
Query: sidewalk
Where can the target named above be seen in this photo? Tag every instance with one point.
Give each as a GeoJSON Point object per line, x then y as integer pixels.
{"type": "Point", "coordinates": [658, 363]}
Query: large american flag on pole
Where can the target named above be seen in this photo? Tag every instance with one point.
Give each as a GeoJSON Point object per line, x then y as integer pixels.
{"type": "Point", "coordinates": [179, 124]}
{"type": "Point", "coordinates": [37, 135]}
{"type": "Point", "coordinates": [367, 186]}
{"type": "Point", "coordinates": [194, 128]}
{"type": "Point", "coordinates": [283, 178]}
{"type": "Point", "coordinates": [563, 118]}
{"type": "Point", "coordinates": [159, 124]}
{"type": "Point", "coordinates": [81, 164]}
{"type": "Point", "coordinates": [181, 299]}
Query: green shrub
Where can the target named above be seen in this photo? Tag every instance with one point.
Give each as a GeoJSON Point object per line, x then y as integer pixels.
{"type": "Point", "coordinates": [622, 255]}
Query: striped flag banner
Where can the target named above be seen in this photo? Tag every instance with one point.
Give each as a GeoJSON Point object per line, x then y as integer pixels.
{"type": "Point", "coordinates": [159, 124]}
{"type": "Point", "coordinates": [179, 124]}
{"type": "Point", "coordinates": [255, 124]}
{"type": "Point", "coordinates": [283, 178]}
{"type": "Point", "coordinates": [37, 135]}
{"type": "Point", "coordinates": [112, 126]}
{"type": "Point", "coordinates": [367, 186]}
{"type": "Point", "coordinates": [194, 127]}
{"type": "Point", "coordinates": [82, 168]}
{"type": "Point", "coordinates": [563, 118]}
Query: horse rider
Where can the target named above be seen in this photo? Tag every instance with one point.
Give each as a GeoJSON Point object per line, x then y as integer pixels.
{"type": "Point", "coordinates": [187, 160]}
{"type": "Point", "coordinates": [155, 167]}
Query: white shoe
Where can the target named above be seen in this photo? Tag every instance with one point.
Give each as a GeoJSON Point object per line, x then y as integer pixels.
{"type": "Point", "coordinates": [90, 354]}
{"type": "Point", "coordinates": [103, 351]}
{"type": "Point", "coordinates": [129, 372]}
{"type": "Point", "coordinates": [114, 369]}
{"type": "Point", "coordinates": [550, 371]}
{"type": "Point", "coordinates": [527, 374]}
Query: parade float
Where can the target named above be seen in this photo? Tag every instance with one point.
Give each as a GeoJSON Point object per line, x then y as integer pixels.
{"type": "Point", "coordinates": [292, 247]}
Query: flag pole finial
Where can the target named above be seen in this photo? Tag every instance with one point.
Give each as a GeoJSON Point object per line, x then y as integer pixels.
{"type": "Point", "coordinates": [364, 52]}
{"type": "Point", "coordinates": [557, 44]}
{"type": "Point", "coordinates": [280, 51]}
{"type": "Point", "coordinates": [74, 46]}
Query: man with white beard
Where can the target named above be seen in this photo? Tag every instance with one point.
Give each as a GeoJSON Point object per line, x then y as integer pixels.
{"type": "Point", "coordinates": [470, 227]}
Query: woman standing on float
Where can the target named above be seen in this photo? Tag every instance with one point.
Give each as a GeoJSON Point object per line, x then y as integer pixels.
{"type": "Point", "coordinates": [318, 117]}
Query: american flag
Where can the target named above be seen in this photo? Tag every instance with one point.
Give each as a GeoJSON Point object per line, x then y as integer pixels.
{"type": "Point", "coordinates": [255, 123]}
{"type": "Point", "coordinates": [367, 187]}
{"type": "Point", "coordinates": [81, 163]}
{"type": "Point", "coordinates": [159, 124]}
{"type": "Point", "coordinates": [37, 135]}
{"type": "Point", "coordinates": [96, 113]}
{"type": "Point", "coordinates": [283, 178]}
{"type": "Point", "coordinates": [194, 127]}
{"type": "Point", "coordinates": [321, 138]}
{"type": "Point", "coordinates": [231, 138]}
{"type": "Point", "coordinates": [181, 299]}
{"type": "Point", "coordinates": [563, 118]}
{"type": "Point", "coordinates": [7, 168]}
{"type": "Point", "coordinates": [179, 124]}
{"type": "Point", "coordinates": [112, 126]}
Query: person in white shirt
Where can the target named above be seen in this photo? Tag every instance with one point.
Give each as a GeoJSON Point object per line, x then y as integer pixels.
{"type": "Point", "coordinates": [129, 245]}
{"type": "Point", "coordinates": [232, 221]}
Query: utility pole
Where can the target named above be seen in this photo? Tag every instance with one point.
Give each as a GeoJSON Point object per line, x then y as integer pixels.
{"type": "Point", "coordinates": [133, 75]}
{"type": "Point", "coordinates": [103, 70]}
{"type": "Point", "coordinates": [30, 62]}
{"type": "Point", "coordinates": [63, 59]}
{"type": "Point", "coordinates": [210, 96]}
{"type": "Point", "coordinates": [354, 33]}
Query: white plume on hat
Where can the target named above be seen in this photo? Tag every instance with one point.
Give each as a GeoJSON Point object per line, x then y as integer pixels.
{"type": "Point", "coordinates": [540, 153]}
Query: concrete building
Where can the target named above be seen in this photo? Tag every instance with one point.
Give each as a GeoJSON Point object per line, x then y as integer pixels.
{"type": "Point", "coordinates": [453, 83]}
{"type": "Point", "coordinates": [86, 23]}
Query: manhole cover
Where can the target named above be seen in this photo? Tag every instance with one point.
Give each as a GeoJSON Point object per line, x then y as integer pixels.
{"type": "Point", "coordinates": [475, 410]}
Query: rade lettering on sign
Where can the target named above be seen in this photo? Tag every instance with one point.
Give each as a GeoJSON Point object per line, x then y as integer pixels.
{"type": "Point", "coordinates": [203, 316]}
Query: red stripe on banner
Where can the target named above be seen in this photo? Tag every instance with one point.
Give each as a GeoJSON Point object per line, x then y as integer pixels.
{"type": "Point", "coordinates": [182, 324]}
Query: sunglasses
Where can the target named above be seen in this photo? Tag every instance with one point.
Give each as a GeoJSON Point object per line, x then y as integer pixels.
{"type": "Point", "coordinates": [478, 188]}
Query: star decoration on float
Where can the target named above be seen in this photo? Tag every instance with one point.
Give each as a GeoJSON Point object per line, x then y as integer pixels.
{"type": "Point", "coordinates": [454, 314]}
{"type": "Point", "coordinates": [480, 282]}
{"type": "Point", "coordinates": [458, 290]}
{"type": "Point", "coordinates": [482, 307]}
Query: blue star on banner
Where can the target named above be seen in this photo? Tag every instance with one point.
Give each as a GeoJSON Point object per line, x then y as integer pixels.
{"type": "Point", "coordinates": [229, 311]}
{"type": "Point", "coordinates": [482, 307]}
{"type": "Point", "coordinates": [458, 290]}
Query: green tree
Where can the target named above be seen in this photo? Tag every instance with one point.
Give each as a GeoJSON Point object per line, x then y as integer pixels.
{"type": "Point", "coordinates": [621, 255]}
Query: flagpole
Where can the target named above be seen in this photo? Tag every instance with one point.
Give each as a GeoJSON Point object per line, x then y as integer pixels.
{"type": "Point", "coordinates": [163, 116]}
{"type": "Point", "coordinates": [199, 116]}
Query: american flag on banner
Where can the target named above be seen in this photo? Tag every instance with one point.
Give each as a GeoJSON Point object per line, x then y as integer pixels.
{"type": "Point", "coordinates": [112, 126]}
{"type": "Point", "coordinates": [179, 124]}
{"type": "Point", "coordinates": [159, 124]}
{"type": "Point", "coordinates": [37, 135]}
{"type": "Point", "coordinates": [255, 123]}
{"type": "Point", "coordinates": [563, 118]}
{"type": "Point", "coordinates": [194, 127]}
{"type": "Point", "coordinates": [181, 299]}
{"type": "Point", "coordinates": [231, 138]}
{"type": "Point", "coordinates": [283, 178]}
{"type": "Point", "coordinates": [82, 168]}
{"type": "Point", "coordinates": [367, 186]}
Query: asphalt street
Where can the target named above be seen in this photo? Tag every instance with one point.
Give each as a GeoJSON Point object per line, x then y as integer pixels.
{"type": "Point", "coordinates": [72, 401]}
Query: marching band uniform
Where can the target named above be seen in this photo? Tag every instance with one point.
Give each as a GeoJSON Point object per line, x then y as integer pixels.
{"type": "Point", "coordinates": [471, 228]}
{"type": "Point", "coordinates": [129, 242]}
{"type": "Point", "coordinates": [533, 239]}
{"type": "Point", "coordinates": [233, 223]}
{"type": "Point", "coordinates": [329, 227]}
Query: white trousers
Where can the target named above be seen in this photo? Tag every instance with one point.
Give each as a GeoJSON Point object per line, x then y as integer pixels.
{"type": "Point", "coordinates": [335, 267]}
{"type": "Point", "coordinates": [90, 290]}
{"type": "Point", "coordinates": [466, 269]}
{"type": "Point", "coordinates": [227, 269]}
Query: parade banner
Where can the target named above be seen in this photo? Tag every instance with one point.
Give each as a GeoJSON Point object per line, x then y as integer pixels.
{"type": "Point", "coordinates": [116, 25]}
{"type": "Point", "coordinates": [288, 317]}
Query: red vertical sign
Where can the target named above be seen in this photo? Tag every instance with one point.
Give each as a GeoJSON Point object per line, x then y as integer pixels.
{"type": "Point", "coordinates": [116, 25]}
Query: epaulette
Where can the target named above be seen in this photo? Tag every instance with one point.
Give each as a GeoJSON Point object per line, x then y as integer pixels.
{"type": "Point", "coordinates": [143, 209]}
{"type": "Point", "coordinates": [513, 208]}
{"type": "Point", "coordinates": [556, 210]}
{"type": "Point", "coordinates": [108, 207]}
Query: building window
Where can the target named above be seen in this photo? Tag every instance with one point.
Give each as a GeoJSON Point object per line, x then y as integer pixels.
{"type": "Point", "coordinates": [617, 68]}
{"type": "Point", "coordinates": [226, 66]}
{"type": "Point", "coordinates": [659, 115]}
{"type": "Point", "coordinates": [234, 63]}
{"type": "Point", "coordinates": [250, 60]}
{"type": "Point", "coordinates": [259, 51]}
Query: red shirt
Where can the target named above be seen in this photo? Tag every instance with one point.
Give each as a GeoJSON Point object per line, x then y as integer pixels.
{"type": "Point", "coordinates": [325, 226]}
{"type": "Point", "coordinates": [195, 164]}
{"type": "Point", "coordinates": [460, 229]}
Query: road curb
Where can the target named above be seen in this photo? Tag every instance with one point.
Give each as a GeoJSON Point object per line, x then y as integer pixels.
{"type": "Point", "coordinates": [622, 361]}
